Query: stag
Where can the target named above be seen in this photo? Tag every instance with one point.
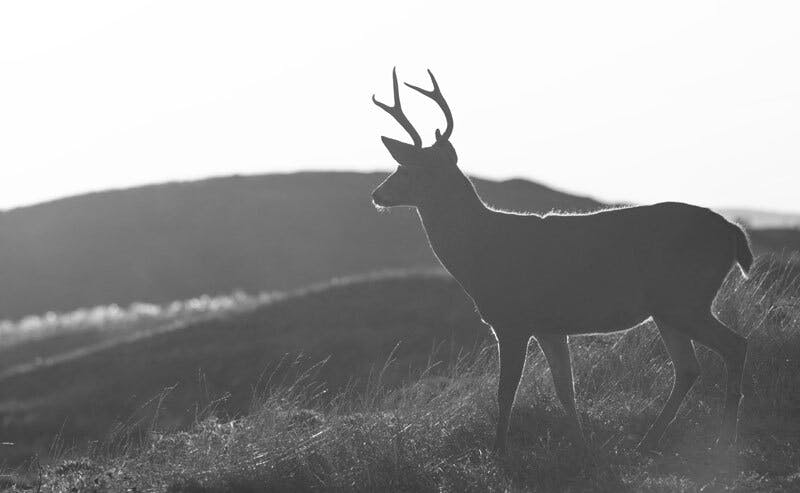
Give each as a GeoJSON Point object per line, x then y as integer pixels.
{"type": "Point", "coordinates": [553, 276]}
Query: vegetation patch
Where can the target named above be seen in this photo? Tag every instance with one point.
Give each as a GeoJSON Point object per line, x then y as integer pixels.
{"type": "Point", "coordinates": [434, 433]}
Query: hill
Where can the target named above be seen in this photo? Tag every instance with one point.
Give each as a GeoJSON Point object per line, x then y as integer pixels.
{"type": "Point", "coordinates": [272, 232]}
{"type": "Point", "coordinates": [759, 219]}
{"type": "Point", "coordinates": [776, 240]}
{"type": "Point", "coordinates": [428, 431]}
{"type": "Point", "coordinates": [97, 384]}
{"type": "Point", "coordinates": [180, 240]}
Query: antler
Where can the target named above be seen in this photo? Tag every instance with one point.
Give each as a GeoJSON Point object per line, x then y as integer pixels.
{"type": "Point", "coordinates": [397, 112]}
{"type": "Point", "coordinates": [436, 95]}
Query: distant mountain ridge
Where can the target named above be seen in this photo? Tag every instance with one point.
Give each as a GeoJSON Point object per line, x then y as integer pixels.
{"type": "Point", "coordinates": [172, 241]}
{"type": "Point", "coordinates": [758, 219]}
{"type": "Point", "coordinates": [179, 240]}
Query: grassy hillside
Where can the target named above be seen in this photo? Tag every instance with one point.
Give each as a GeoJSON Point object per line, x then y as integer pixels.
{"type": "Point", "coordinates": [433, 432]}
{"type": "Point", "coordinates": [38, 340]}
{"type": "Point", "coordinates": [181, 240]}
{"type": "Point", "coordinates": [83, 383]}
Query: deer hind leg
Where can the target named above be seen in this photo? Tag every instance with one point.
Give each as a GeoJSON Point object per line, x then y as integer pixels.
{"type": "Point", "coordinates": [686, 370]}
{"type": "Point", "coordinates": [709, 331]}
{"type": "Point", "coordinates": [733, 349]}
{"type": "Point", "coordinates": [512, 360]}
{"type": "Point", "coordinates": [556, 350]}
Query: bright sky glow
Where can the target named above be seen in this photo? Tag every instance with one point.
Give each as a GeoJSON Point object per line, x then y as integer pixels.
{"type": "Point", "coordinates": [625, 101]}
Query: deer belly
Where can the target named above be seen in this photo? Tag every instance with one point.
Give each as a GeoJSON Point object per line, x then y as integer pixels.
{"type": "Point", "coordinates": [600, 315]}
{"type": "Point", "coordinates": [613, 321]}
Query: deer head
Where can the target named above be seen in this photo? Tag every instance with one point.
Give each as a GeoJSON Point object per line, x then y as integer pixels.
{"type": "Point", "coordinates": [423, 172]}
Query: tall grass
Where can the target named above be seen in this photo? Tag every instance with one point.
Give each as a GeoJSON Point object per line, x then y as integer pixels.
{"type": "Point", "coordinates": [434, 434]}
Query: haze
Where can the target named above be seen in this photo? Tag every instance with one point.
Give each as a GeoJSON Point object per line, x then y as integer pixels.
{"type": "Point", "coordinates": [630, 101]}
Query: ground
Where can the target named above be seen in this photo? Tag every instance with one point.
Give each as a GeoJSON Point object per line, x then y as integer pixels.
{"type": "Point", "coordinates": [434, 432]}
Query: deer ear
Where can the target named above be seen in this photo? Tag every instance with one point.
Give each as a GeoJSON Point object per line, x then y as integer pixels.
{"type": "Point", "coordinates": [405, 154]}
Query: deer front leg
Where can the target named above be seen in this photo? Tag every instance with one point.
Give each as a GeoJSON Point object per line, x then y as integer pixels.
{"type": "Point", "coordinates": [556, 350]}
{"type": "Point", "coordinates": [512, 360]}
{"type": "Point", "coordinates": [686, 371]}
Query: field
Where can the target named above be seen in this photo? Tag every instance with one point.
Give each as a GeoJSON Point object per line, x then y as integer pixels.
{"type": "Point", "coordinates": [413, 424]}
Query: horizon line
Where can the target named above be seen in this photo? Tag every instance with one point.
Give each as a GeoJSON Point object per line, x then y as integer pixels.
{"type": "Point", "coordinates": [25, 205]}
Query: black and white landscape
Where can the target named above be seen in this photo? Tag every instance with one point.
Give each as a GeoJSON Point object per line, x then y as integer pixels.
{"type": "Point", "coordinates": [236, 256]}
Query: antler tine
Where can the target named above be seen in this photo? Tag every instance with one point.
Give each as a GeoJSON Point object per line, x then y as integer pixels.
{"type": "Point", "coordinates": [397, 111]}
{"type": "Point", "coordinates": [436, 95]}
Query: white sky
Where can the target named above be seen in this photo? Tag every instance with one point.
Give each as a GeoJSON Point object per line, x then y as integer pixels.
{"type": "Point", "coordinates": [625, 101]}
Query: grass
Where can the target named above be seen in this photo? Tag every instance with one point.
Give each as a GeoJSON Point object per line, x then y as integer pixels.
{"type": "Point", "coordinates": [433, 434]}
{"type": "Point", "coordinates": [214, 358]}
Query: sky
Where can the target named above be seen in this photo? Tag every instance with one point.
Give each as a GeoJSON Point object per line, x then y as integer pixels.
{"type": "Point", "coordinates": [623, 101]}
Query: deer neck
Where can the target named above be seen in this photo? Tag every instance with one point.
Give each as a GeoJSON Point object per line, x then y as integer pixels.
{"type": "Point", "coordinates": [454, 226]}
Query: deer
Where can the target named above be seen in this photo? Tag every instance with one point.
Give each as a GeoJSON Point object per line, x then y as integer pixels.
{"type": "Point", "coordinates": [558, 275]}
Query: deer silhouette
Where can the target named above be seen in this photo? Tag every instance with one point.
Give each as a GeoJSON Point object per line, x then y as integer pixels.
{"type": "Point", "coordinates": [558, 275]}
